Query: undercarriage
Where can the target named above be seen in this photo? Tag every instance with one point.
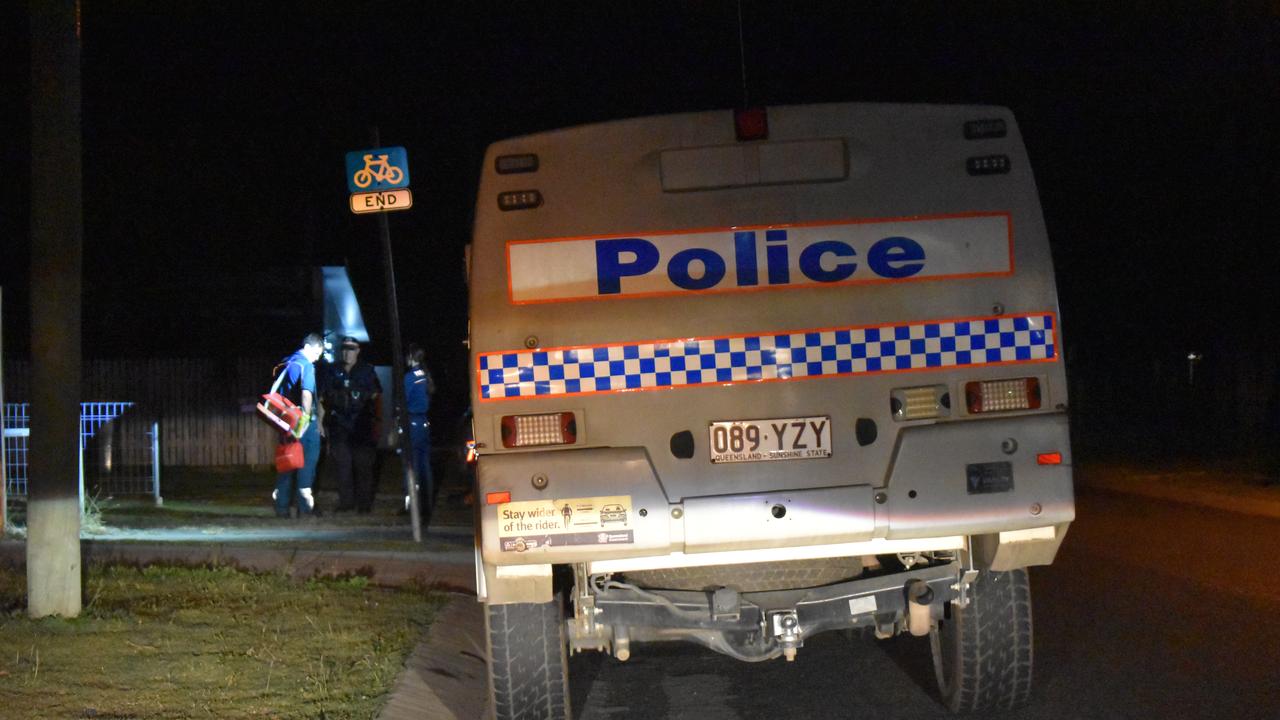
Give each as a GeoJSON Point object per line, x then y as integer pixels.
{"type": "Point", "coordinates": [752, 621]}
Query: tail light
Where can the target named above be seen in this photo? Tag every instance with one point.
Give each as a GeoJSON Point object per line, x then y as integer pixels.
{"type": "Point", "coordinates": [537, 430]}
{"type": "Point", "coordinates": [1002, 395]}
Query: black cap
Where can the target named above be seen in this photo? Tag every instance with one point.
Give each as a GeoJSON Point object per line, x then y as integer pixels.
{"type": "Point", "coordinates": [349, 341]}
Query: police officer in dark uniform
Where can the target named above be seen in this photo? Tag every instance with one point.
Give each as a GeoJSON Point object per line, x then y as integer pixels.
{"type": "Point", "coordinates": [418, 388]}
{"type": "Point", "coordinates": [352, 400]}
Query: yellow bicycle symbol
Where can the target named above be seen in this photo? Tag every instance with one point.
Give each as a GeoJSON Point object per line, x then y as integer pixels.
{"type": "Point", "coordinates": [379, 170]}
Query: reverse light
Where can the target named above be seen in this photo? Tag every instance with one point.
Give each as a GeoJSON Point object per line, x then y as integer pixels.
{"type": "Point", "coordinates": [920, 403]}
{"type": "Point", "coordinates": [537, 430]}
{"type": "Point", "coordinates": [1002, 395]}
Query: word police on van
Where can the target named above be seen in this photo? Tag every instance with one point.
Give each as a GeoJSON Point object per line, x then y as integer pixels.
{"type": "Point", "coordinates": [730, 259]}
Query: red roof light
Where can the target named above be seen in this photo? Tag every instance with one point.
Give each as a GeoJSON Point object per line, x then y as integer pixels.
{"type": "Point", "coordinates": [751, 123]}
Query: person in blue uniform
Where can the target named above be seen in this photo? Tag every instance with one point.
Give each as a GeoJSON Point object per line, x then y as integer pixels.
{"type": "Point", "coordinates": [418, 388]}
{"type": "Point", "coordinates": [299, 385]}
{"type": "Point", "coordinates": [351, 396]}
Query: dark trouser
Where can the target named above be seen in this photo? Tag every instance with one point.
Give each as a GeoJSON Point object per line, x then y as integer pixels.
{"type": "Point", "coordinates": [302, 479]}
{"type": "Point", "coordinates": [352, 468]}
{"type": "Point", "coordinates": [420, 442]}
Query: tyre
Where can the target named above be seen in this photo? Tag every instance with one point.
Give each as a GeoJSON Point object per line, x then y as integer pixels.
{"type": "Point", "coordinates": [982, 652]}
{"type": "Point", "coordinates": [528, 670]}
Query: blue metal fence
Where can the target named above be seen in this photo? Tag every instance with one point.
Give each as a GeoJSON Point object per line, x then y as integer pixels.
{"type": "Point", "coordinates": [17, 428]}
{"type": "Point", "coordinates": [118, 450]}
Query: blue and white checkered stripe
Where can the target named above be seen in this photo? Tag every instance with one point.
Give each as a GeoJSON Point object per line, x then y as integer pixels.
{"type": "Point", "coordinates": [785, 356]}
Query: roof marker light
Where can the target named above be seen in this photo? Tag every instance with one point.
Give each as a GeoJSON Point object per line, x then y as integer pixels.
{"type": "Point", "coordinates": [985, 128]}
{"type": "Point", "coordinates": [511, 164]}
{"type": "Point", "coordinates": [751, 124]}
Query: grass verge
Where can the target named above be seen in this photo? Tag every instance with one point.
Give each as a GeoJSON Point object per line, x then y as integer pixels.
{"type": "Point", "coordinates": [167, 642]}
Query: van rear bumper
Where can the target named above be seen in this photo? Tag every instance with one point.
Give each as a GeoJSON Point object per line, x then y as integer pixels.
{"type": "Point", "coordinates": [935, 489]}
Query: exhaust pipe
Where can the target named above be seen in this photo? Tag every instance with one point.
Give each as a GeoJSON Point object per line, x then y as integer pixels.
{"type": "Point", "coordinates": [919, 618]}
{"type": "Point", "coordinates": [621, 643]}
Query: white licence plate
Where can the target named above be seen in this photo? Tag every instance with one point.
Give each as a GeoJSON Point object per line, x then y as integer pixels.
{"type": "Point", "coordinates": [777, 439]}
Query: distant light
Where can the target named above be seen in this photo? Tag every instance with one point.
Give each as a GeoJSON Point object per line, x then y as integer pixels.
{"type": "Point", "coordinates": [751, 124]}
{"type": "Point", "coordinates": [511, 164]}
{"type": "Point", "coordinates": [519, 200]}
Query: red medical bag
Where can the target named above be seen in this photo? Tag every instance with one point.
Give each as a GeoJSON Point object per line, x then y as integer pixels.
{"type": "Point", "coordinates": [289, 456]}
{"type": "Point", "coordinates": [280, 410]}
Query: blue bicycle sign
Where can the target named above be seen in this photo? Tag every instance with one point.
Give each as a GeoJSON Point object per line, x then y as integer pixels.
{"type": "Point", "coordinates": [377, 169]}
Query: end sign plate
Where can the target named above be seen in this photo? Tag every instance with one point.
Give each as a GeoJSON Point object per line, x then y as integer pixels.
{"type": "Point", "coordinates": [370, 202]}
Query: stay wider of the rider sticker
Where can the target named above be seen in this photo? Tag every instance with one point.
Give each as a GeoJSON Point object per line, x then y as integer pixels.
{"type": "Point", "coordinates": [532, 524]}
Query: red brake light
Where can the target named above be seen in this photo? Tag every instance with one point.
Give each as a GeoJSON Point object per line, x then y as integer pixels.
{"type": "Point", "coordinates": [497, 498]}
{"type": "Point", "coordinates": [1002, 395]}
{"type": "Point", "coordinates": [534, 430]}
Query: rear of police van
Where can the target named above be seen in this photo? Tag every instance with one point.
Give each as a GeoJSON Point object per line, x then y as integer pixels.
{"type": "Point", "coordinates": [810, 350]}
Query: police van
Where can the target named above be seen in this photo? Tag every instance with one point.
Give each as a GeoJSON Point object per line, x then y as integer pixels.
{"type": "Point", "coordinates": [741, 378]}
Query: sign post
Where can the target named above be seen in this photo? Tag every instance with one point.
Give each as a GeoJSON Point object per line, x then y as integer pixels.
{"type": "Point", "coordinates": [379, 183]}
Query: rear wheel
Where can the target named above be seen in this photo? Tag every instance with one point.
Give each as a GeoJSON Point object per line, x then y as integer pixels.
{"type": "Point", "coordinates": [528, 672]}
{"type": "Point", "coordinates": [982, 652]}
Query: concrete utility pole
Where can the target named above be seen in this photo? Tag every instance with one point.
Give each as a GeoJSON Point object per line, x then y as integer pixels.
{"type": "Point", "coordinates": [57, 230]}
{"type": "Point", "coordinates": [4, 479]}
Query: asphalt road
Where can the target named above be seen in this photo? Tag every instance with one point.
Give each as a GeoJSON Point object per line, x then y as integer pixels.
{"type": "Point", "coordinates": [1153, 610]}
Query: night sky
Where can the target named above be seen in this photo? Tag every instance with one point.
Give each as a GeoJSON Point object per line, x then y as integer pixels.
{"type": "Point", "coordinates": [214, 135]}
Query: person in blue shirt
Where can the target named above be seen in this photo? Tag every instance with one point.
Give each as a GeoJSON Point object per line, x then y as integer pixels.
{"type": "Point", "coordinates": [418, 388]}
{"type": "Point", "coordinates": [299, 385]}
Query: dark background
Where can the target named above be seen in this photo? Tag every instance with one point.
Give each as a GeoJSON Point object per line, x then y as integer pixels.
{"type": "Point", "coordinates": [214, 136]}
